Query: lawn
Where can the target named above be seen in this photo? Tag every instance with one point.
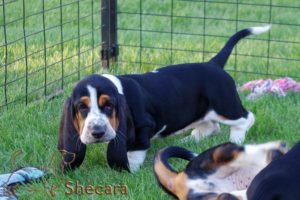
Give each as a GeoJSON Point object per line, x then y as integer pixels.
{"type": "Point", "coordinates": [29, 133]}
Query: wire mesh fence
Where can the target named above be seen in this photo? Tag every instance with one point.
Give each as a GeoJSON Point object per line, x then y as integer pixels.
{"type": "Point", "coordinates": [155, 33]}
{"type": "Point", "coordinates": [45, 45]}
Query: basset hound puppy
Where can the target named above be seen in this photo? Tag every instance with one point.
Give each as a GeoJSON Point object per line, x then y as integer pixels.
{"type": "Point", "coordinates": [223, 172]}
{"type": "Point", "coordinates": [128, 110]}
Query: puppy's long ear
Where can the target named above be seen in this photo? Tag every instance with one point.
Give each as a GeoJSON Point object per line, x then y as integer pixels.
{"type": "Point", "coordinates": [69, 144]}
{"type": "Point", "coordinates": [117, 148]}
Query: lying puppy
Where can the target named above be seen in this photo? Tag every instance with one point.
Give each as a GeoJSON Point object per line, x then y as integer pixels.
{"type": "Point", "coordinates": [223, 172]}
{"type": "Point", "coordinates": [280, 180]}
{"type": "Point", "coordinates": [128, 110]}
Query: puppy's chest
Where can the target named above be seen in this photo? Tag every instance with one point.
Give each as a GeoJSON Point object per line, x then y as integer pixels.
{"type": "Point", "coordinates": [234, 179]}
{"type": "Point", "coordinates": [241, 179]}
{"type": "Point", "coordinates": [224, 181]}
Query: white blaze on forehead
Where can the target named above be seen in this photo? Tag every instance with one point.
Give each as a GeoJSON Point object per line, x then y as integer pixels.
{"type": "Point", "coordinates": [115, 81]}
{"type": "Point", "coordinates": [93, 97]}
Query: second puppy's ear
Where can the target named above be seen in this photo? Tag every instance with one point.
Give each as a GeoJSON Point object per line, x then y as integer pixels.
{"type": "Point", "coordinates": [69, 144]}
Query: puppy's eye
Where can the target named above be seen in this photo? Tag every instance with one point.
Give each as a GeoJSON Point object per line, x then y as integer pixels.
{"type": "Point", "coordinates": [107, 108]}
{"type": "Point", "coordinates": [82, 107]}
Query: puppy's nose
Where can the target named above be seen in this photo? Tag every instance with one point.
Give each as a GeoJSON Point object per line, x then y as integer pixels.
{"type": "Point", "coordinates": [98, 131]}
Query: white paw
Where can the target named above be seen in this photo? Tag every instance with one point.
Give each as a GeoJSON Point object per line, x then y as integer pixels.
{"type": "Point", "coordinates": [136, 159]}
{"type": "Point", "coordinates": [238, 131]}
{"type": "Point", "coordinates": [276, 145]}
{"type": "Point", "coordinates": [237, 138]}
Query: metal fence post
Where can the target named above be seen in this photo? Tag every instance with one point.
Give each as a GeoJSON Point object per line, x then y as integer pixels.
{"type": "Point", "coordinates": [109, 49]}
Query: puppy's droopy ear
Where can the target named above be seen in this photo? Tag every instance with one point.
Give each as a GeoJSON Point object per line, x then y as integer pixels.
{"type": "Point", "coordinates": [117, 148]}
{"type": "Point", "coordinates": [69, 144]}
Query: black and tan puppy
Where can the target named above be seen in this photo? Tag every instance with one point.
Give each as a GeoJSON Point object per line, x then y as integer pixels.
{"type": "Point", "coordinates": [223, 172]}
{"type": "Point", "coordinates": [128, 110]}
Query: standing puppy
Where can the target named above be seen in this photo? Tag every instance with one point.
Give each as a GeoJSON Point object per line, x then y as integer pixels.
{"type": "Point", "coordinates": [128, 110]}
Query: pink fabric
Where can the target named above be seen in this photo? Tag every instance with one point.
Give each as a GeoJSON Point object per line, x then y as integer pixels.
{"type": "Point", "coordinates": [278, 87]}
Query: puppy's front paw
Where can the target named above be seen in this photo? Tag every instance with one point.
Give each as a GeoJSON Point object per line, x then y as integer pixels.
{"type": "Point", "coordinates": [275, 145]}
{"type": "Point", "coordinates": [136, 159]}
{"type": "Point", "coordinates": [276, 149]}
{"type": "Point", "coordinates": [283, 147]}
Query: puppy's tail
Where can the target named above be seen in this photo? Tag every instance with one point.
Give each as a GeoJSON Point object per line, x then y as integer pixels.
{"type": "Point", "coordinates": [222, 57]}
{"type": "Point", "coordinates": [166, 176]}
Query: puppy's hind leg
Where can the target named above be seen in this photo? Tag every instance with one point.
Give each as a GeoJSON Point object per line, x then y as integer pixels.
{"type": "Point", "coordinates": [228, 109]}
{"type": "Point", "coordinates": [238, 131]}
{"type": "Point", "coordinates": [238, 127]}
{"type": "Point", "coordinates": [205, 129]}
{"type": "Point", "coordinates": [201, 130]}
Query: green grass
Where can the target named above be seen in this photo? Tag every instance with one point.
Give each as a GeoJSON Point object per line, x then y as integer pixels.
{"type": "Point", "coordinates": [33, 131]}
{"type": "Point", "coordinates": [80, 42]}
{"type": "Point", "coordinates": [29, 133]}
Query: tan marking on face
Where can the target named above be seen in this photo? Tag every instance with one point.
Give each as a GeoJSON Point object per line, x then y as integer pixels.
{"type": "Point", "coordinates": [86, 100]}
{"type": "Point", "coordinates": [103, 99]}
{"type": "Point", "coordinates": [79, 122]}
{"type": "Point", "coordinates": [224, 154]}
{"type": "Point", "coordinates": [113, 120]}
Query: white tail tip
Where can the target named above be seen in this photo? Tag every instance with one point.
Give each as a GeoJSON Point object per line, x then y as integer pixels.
{"type": "Point", "coordinates": [260, 29]}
